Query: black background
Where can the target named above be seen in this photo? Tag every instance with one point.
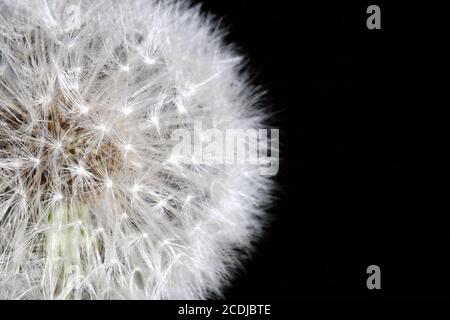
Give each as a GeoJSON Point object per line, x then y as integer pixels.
{"type": "Point", "coordinates": [364, 139]}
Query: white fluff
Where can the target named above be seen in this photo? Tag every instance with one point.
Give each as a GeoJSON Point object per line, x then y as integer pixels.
{"type": "Point", "coordinates": [92, 203]}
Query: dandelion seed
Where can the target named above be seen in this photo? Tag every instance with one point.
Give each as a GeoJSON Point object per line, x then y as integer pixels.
{"type": "Point", "coordinates": [108, 184]}
{"type": "Point", "coordinates": [127, 110]}
{"type": "Point", "coordinates": [155, 120]}
{"type": "Point", "coordinates": [58, 145]}
{"type": "Point", "coordinates": [161, 204]}
{"type": "Point", "coordinates": [83, 109]}
{"type": "Point", "coordinates": [58, 197]}
{"type": "Point", "coordinates": [181, 108]}
{"type": "Point", "coordinates": [36, 161]}
{"type": "Point", "coordinates": [102, 128]}
{"type": "Point", "coordinates": [79, 170]}
{"type": "Point", "coordinates": [125, 68]}
{"type": "Point", "coordinates": [136, 188]}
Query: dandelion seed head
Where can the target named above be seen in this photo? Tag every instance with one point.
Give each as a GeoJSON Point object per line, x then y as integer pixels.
{"type": "Point", "coordinates": [87, 111]}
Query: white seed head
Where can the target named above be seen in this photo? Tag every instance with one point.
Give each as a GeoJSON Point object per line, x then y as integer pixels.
{"type": "Point", "coordinates": [77, 95]}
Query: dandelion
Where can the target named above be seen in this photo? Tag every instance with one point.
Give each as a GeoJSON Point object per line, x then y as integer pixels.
{"type": "Point", "coordinates": [92, 203]}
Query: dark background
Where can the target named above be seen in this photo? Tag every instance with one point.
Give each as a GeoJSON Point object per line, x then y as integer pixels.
{"type": "Point", "coordinates": [364, 139]}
